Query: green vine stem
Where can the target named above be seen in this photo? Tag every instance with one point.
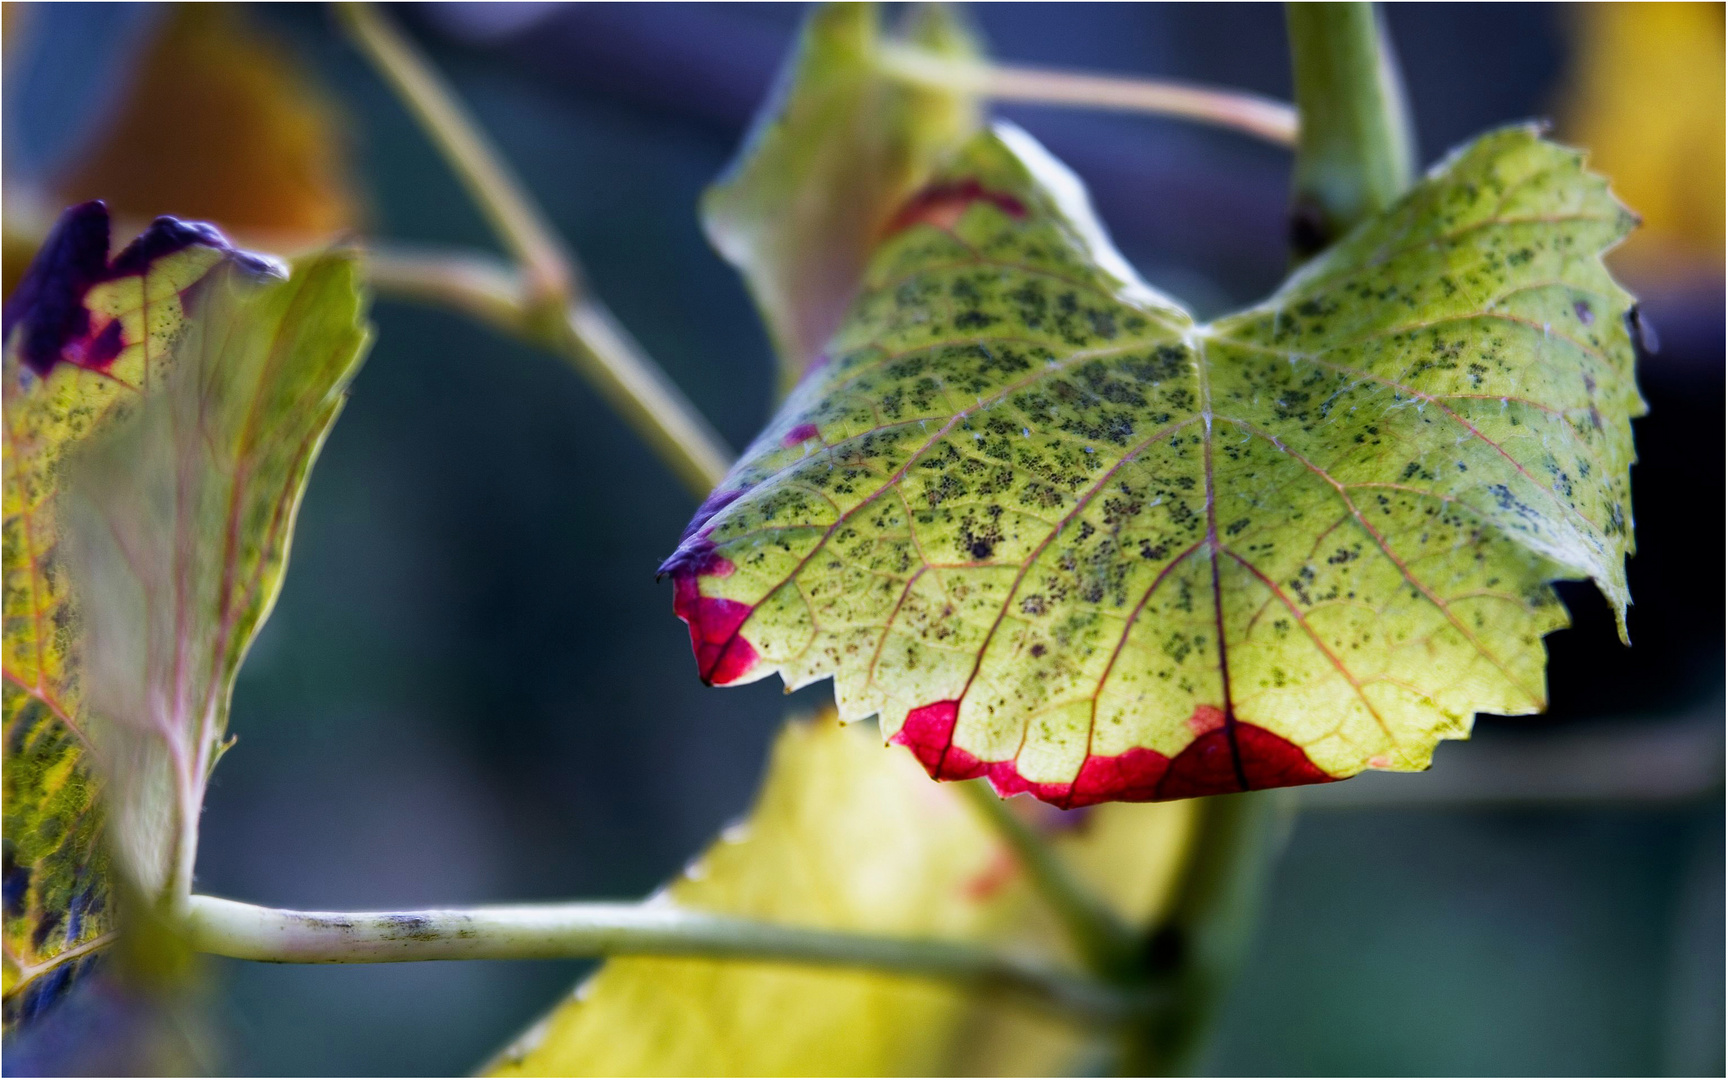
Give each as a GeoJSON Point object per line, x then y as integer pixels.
{"type": "Point", "coordinates": [544, 300]}
{"type": "Point", "coordinates": [574, 930]}
{"type": "Point", "coordinates": [1355, 153]}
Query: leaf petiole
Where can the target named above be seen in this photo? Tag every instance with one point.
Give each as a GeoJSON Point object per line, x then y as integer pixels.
{"type": "Point", "coordinates": [1251, 114]}
{"type": "Point", "coordinates": [1356, 152]}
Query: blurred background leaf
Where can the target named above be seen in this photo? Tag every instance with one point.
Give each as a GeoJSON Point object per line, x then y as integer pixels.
{"type": "Point", "coordinates": [847, 836]}
{"type": "Point", "coordinates": [187, 110]}
{"type": "Point", "coordinates": [832, 155]}
{"type": "Point", "coordinates": [1645, 96]}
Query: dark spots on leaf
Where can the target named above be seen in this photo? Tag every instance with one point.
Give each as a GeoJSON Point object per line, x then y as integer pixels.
{"type": "Point", "coordinates": [1581, 308]}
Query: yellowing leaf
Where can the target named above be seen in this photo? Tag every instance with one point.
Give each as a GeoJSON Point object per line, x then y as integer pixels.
{"type": "Point", "coordinates": [161, 410]}
{"type": "Point", "coordinates": [220, 125]}
{"type": "Point", "coordinates": [844, 836]}
{"type": "Point", "coordinates": [70, 371]}
{"type": "Point", "coordinates": [1055, 533]}
{"type": "Point", "coordinates": [832, 157]}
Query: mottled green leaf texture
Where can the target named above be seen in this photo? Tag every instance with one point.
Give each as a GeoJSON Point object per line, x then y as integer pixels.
{"type": "Point", "coordinates": [1055, 533]}
{"type": "Point", "coordinates": [846, 837]}
{"type": "Point", "coordinates": [162, 408]}
{"type": "Point", "coordinates": [834, 154]}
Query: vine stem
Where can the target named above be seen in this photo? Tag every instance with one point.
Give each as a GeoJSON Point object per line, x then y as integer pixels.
{"type": "Point", "coordinates": [1356, 153]}
{"type": "Point", "coordinates": [575, 930]}
{"type": "Point", "coordinates": [1251, 114]}
{"type": "Point", "coordinates": [544, 300]}
{"type": "Point", "coordinates": [492, 184]}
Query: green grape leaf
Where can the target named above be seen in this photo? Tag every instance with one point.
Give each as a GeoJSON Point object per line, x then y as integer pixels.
{"type": "Point", "coordinates": [161, 409]}
{"type": "Point", "coordinates": [834, 154]}
{"type": "Point", "coordinates": [846, 837]}
{"type": "Point", "coordinates": [1055, 533]}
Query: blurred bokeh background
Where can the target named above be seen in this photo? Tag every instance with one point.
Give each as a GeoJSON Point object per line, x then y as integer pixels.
{"type": "Point", "coordinates": [473, 690]}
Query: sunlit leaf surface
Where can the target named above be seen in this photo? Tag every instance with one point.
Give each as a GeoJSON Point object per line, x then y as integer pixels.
{"type": "Point", "coordinates": [844, 836]}
{"type": "Point", "coordinates": [161, 410]}
{"type": "Point", "coordinates": [1055, 533]}
{"type": "Point", "coordinates": [832, 157]}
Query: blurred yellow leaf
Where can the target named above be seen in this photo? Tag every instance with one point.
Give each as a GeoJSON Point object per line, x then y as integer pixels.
{"type": "Point", "coordinates": [1646, 99]}
{"type": "Point", "coordinates": [846, 835]}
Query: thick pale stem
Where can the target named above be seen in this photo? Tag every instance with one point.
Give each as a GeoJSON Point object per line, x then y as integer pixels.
{"type": "Point", "coordinates": [1108, 944]}
{"type": "Point", "coordinates": [1355, 154]}
{"type": "Point", "coordinates": [480, 286]}
{"type": "Point", "coordinates": [564, 931]}
{"type": "Point", "coordinates": [1263, 118]}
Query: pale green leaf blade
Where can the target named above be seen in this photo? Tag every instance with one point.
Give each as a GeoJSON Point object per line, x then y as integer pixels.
{"type": "Point", "coordinates": [846, 837]}
{"type": "Point", "coordinates": [178, 523]}
{"type": "Point", "coordinates": [835, 152]}
{"type": "Point", "coordinates": [1054, 533]}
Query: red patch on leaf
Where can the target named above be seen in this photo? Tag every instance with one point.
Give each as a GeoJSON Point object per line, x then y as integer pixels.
{"type": "Point", "coordinates": [1131, 776]}
{"type": "Point", "coordinates": [943, 205]}
{"type": "Point", "coordinates": [799, 435]}
{"type": "Point", "coordinates": [1209, 765]}
{"type": "Point", "coordinates": [722, 654]}
{"type": "Point", "coordinates": [104, 347]}
{"type": "Point", "coordinates": [929, 733]}
{"type": "Point", "coordinates": [1206, 766]}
